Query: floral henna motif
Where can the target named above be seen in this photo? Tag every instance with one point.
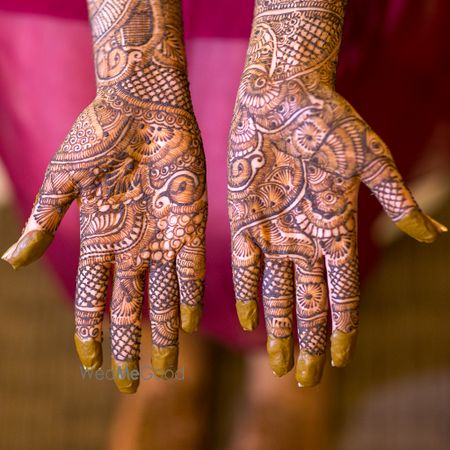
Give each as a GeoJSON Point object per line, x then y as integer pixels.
{"type": "Point", "coordinates": [297, 154]}
{"type": "Point", "coordinates": [134, 161]}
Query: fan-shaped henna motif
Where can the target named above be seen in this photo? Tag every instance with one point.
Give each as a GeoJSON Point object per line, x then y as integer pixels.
{"type": "Point", "coordinates": [134, 161]}
{"type": "Point", "coordinates": [297, 153]}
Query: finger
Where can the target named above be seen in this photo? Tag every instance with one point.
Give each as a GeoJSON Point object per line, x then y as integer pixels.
{"type": "Point", "coordinates": [381, 176]}
{"type": "Point", "coordinates": [30, 247]}
{"type": "Point", "coordinates": [126, 307]}
{"type": "Point", "coordinates": [90, 299]}
{"type": "Point", "coordinates": [312, 309]}
{"type": "Point", "coordinates": [54, 198]}
{"type": "Point", "coordinates": [191, 275]}
{"type": "Point", "coordinates": [421, 227]}
{"type": "Point", "coordinates": [278, 300]}
{"type": "Point", "coordinates": [164, 318]}
{"type": "Point", "coordinates": [343, 288]}
{"type": "Point", "coordinates": [246, 275]}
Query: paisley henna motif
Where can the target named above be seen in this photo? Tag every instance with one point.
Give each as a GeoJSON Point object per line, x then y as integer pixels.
{"type": "Point", "coordinates": [134, 161]}
{"type": "Point", "coordinates": [297, 154]}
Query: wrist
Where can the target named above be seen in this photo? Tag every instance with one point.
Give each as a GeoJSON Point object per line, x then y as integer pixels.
{"type": "Point", "coordinates": [149, 88]}
{"type": "Point", "coordinates": [139, 52]}
{"type": "Point", "coordinates": [297, 37]}
{"type": "Point", "coordinates": [331, 5]}
{"type": "Point", "coordinates": [135, 36]}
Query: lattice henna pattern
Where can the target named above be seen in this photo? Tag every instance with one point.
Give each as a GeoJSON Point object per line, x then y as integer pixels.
{"type": "Point", "coordinates": [297, 153]}
{"type": "Point", "coordinates": [134, 161]}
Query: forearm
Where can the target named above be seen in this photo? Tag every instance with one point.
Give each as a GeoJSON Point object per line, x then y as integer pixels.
{"type": "Point", "coordinates": [297, 37]}
{"type": "Point", "coordinates": [139, 50]}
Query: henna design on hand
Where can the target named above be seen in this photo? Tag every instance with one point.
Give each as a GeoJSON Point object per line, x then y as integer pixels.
{"type": "Point", "coordinates": [134, 162]}
{"type": "Point", "coordinates": [297, 153]}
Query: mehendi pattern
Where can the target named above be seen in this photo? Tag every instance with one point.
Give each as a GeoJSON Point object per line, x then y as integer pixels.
{"type": "Point", "coordinates": [134, 161]}
{"type": "Point", "coordinates": [297, 153]}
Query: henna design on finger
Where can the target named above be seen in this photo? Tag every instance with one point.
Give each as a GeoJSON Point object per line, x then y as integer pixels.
{"type": "Point", "coordinates": [126, 305]}
{"type": "Point", "coordinates": [134, 161]}
{"type": "Point", "coordinates": [312, 307]}
{"type": "Point", "coordinates": [191, 274]}
{"type": "Point", "coordinates": [297, 153]}
{"type": "Point", "coordinates": [246, 269]}
{"type": "Point", "coordinates": [344, 294]}
{"type": "Point", "coordinates": [92, 284]}
{"type": "Point", "coordinates": [278, 297]}
{"type": "Point", "coordinates": [164, 306]}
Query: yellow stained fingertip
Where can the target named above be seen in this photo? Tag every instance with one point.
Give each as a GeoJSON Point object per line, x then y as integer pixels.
{"type": "Point", "coordinates": [89, 352]}
{"type": "Point", "coordinates": [281, 354]}
{"type": "Point", "coordinates": [420, 226]}
{"type": "Point", "coordinates": [190, 317]}
{"type": "Point", "coordinates": [28, 248]}
{"type": "Point", "coordinates": [440, 226]}
{"type": "Point", "coordinates": [342, 347]}
{"type": "Point", "coordinates": [164, 360]}
{"type": "Point", "coordinates": [126, 375]}
{"type": "Point", "coordinates": [309, 370]}
{"type": "Point", "coordinates": [248, 314]}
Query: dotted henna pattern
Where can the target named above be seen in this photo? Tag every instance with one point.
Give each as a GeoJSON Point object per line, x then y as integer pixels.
{"type": "Point", "coordinates": [297, 154]}
{"type": "Point", "coordinates": [134, 161]}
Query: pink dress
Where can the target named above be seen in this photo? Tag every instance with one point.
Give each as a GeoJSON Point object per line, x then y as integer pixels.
{"type": "Point", "coordinates": [391, 69]}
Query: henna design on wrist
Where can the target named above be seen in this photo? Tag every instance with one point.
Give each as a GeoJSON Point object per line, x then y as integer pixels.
{"type": "Point", "coordinates": [134, 161]}
{"type": "Point", "coordinates": [297, 153]}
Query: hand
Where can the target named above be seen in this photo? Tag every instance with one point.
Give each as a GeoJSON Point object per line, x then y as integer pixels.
{"type": "Point", "coordinates": [134, 162]}
{"type": "Point", "coordinates": [297, 154]}
{"type": "Point", "coordinates": [139, 178]}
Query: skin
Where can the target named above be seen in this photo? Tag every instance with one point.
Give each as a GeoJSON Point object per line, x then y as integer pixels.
{"type": "Point", "coordinates": [297, 154]}
{"type": "Point", "coordinates": [134, 162]}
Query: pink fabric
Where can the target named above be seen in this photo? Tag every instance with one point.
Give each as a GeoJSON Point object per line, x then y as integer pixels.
{"type": "Point", "coordinates": [207, 59]}
{"type": "Point", "coordinates": [43, 87]}
{"type": "Point", "coordinates": [391, 69]}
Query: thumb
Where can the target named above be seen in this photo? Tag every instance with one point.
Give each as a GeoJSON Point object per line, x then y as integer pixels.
{"type": "Point", "coordinates": [380, 174]}
{"type": "Point", "coordinates": [30, 247]}
{"type": "Point", "coordinates": [421, 226]}
{"type": "Point", "coordinates": [54, 198]}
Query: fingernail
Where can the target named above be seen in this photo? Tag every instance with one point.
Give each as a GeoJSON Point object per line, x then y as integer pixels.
{"type": "Point", "coordinates": [164, 360]}
{"type": "Point", "coordinates": [300, 385]}
{"type": "Point", "coordinates": [442, 228]}
{"type": "Point", "coordinates": [126, 375]}
{"type": "Point", "coordinates": [248, 314]}
{"type": "Point", "coordinates": [5, 255]}
{"type": "Point", "coordinates": [342, 347]}
{"type": "Point", "coordinates": [28, 248]}
{"type": "Point", "coordinates": [90, 353]}
{"type": "Point", "coordinates": [309, 368]}
{"type": "Point", "coordinates": [281, 354]}
{"type": "Point", "coordinates": [190, 317]}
